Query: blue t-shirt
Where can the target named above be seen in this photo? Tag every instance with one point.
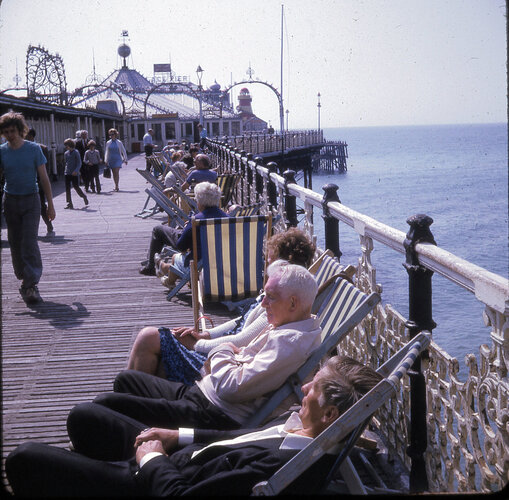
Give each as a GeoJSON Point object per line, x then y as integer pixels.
{"type": "Point", "coordinates": [20, 167]}
{"type": "Point", "coordinates": [197, 176]}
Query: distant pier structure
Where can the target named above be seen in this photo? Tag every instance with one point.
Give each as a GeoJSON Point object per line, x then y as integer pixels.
{"type": "Point", "coordinates": [297, 150]}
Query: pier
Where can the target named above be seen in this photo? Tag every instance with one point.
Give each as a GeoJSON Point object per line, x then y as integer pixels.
{"type": "Point", "coordinates": [450, 434]}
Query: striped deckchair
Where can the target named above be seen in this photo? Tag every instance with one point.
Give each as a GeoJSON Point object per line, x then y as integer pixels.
{"type": "Point", "coordinates": [227, 183]}
{"type": "Point", "coordinates": [343, 308]}
{"type": "Point", "coordinates": [157, 164]}
{"type": "Point", "coordinates": [232, 259]}
{"type": "Point", "coordinates": [176, 216]}
{"type": "Point", "coordinates": [246, 211]}
{"type": "Point", "coordinates": [347, 428]}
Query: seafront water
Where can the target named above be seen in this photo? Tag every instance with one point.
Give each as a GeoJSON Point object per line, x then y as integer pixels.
{"type": "Point", "coordinates": [456, 174]}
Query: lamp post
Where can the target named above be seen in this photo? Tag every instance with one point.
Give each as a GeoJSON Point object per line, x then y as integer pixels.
{"type": "Point", "coordinates": [318, 106]}
{"type": "Point", "coordinates": [199, 74]}
{"type": "Point", "coordinates": [287, 120]}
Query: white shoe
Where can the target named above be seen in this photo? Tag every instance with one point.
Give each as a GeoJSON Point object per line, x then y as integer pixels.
{"type": "Point", "coordinates": [165, 280]}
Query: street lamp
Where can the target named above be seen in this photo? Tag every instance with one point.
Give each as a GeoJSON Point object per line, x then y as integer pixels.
{"type": "Point", "coordinates": [318, 106]}
{"type": "Point", "coordinates": [287, 120]}
{"type": "Point", "coordinates": [199, 74]}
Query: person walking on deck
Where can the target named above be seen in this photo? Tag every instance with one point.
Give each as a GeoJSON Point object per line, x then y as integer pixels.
{"type": "Point", "coordinates": [21, 161]}
{"type": "Point", "coordinates": [114, 156]}
{"type": "Point", "coordinates": [81, 147]}
{"type": "Point", "coordinates": [92, 159]}
{"type": "Point", "coordinates": [44, 209]}
{"type": "Point", "coordinates": [148, 145]}
{"type": "Point", "coordinates": [72, 169]}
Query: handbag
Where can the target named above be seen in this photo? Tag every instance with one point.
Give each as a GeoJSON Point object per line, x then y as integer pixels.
{"type": "Point", "coordinates": [107, 173]}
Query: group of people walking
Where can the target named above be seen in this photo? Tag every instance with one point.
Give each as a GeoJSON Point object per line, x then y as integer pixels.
{"type": "Point", "coordinates": [82, 158]}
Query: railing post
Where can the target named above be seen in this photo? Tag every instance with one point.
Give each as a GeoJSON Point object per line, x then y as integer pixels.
{"type": "Point", "coordinates": [259, 178]}
{"type": "Point", "coordinates": [331, 223]}
{"type": "Point", "coordinates": [249, 177]}
{"type": "Point", "coordinates": [419, 319]}
{"type": "Point", "coordinates": [242, 175]}
{"type": "Point", "coordinates": [290, 201]}
{"type": "Point", "coordinates": [271, 187]}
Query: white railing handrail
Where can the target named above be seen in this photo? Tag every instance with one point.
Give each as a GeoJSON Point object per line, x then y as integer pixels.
{"type": "Point", "coordinates": [488, 287]}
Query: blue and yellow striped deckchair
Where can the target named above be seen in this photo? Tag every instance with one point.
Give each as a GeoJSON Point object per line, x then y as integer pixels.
{"type": "Point", "coordinates": [346, 429]}
{"type": "Point", "coordinates": [246, 210]}
{"type": "Point", "coordinates": [344, 307]}
{"type": "Point", "coordinates": [232, 258]}
{"type": "Point", "coordinates": [227, 183]}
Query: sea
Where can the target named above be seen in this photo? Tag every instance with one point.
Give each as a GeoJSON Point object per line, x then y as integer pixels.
{"type": "Point", "coordinates": [457, 175]}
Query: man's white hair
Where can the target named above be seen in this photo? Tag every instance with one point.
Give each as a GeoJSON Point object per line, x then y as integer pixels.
{"type": "Point", "coordinates": [294, 280]}
{"type": "Point", "coordinates": [207, 194]}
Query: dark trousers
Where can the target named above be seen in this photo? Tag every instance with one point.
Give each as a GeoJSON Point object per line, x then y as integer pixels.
{"type": "Point", "coordinates": [93, 172]}
{"type": "Point", "coordinates": [161, 236]}
{"type": "Point", "coordinates": [39, 470]}
{"type": "Point", "coordinates": [106, 429]}
{"type": "Point", "coordinates": [22, 215]}
{"type": "Point", "coordinates": [85, 175]}
{"type": "Point", "coordinates": [148, 152]}
{"type": "Point", "coordinates": [72, 180]}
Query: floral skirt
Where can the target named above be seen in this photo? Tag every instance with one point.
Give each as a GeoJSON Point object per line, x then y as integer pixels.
{"type": "Point", "coordinates": [180, 363]}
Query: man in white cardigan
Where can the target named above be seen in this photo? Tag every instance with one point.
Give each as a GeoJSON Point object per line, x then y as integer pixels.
{"type": "Point", "coordinates": [237, 383]}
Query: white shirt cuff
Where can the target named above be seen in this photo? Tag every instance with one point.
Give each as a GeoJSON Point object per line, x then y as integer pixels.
{"type": "Point", "coordinates": [186, 436]}
{"type": "Point", "coordinates": [149, 456]}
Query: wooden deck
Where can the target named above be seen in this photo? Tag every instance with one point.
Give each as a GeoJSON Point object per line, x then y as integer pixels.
{"type": "Point", "coordinates": [69, 348]}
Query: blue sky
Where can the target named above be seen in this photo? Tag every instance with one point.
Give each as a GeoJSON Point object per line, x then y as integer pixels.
{"type": "Point", "coordinates": [374, 62]}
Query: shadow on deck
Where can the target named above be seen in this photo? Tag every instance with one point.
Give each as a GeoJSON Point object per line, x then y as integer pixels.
{"type": "Point", "coordinates": [69, 348]}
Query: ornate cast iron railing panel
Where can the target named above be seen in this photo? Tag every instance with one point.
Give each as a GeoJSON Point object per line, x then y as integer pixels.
{"type": "Point", "coordinates": [467, 420]}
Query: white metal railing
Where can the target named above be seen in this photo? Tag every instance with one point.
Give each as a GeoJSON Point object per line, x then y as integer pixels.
{"type": "Point", "coordinates": [467, 421]}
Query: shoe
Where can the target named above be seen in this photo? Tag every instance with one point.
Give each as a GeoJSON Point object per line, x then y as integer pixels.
{"type": "Point", "coordinates": [165, 280]}
{"type": "Point", "coordinates": [50, 233]}
{"type": "Point", "coordinates": [30, 294]}
{"type": "Point", "coordinates": [86, 201]}
{"type": "Point", "coordinates": [147, 271]}
{"type": "Point", "coordinates": [86, 190]}
{"type": "Point", "coordinates": [157, 259]}
{"type": "Point", "coordinates": [69, 205]}
{"type": "Point", "coordinates": [93, 190]}
{"type": "Point", "coordinates": [116, 189]}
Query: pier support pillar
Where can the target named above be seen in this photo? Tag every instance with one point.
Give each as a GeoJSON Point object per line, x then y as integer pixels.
{"type": "Point", "coordinates": [419, 319]}
{"type": "Point", "coordinates": [271, 187]}
{"type": "Point", "coordinates": [331, 223]}
{"type": "Point", "coordinates": [290, 201]}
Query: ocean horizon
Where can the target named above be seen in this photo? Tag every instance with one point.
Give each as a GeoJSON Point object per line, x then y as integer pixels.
{"type": "Point", "coordinates": [457, 174]}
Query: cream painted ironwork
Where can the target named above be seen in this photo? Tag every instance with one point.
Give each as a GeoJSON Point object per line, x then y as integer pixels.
{"type": "Point", "coordinates": [467, 420]}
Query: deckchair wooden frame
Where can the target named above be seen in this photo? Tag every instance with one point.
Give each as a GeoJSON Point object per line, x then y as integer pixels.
{"type": "Point", "coordinates": [176, 216]}
{"type": "Point", "coordinates": [198, 295]}
{"type": "Point", "coordinates": [361, 412]}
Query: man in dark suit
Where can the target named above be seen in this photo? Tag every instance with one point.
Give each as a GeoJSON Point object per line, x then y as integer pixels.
{"type": "Point", "coordinates": [81, 146]}
{"type": "Point", "coordinates": [217, 462]}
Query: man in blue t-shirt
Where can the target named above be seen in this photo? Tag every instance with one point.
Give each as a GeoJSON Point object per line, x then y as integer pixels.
{"type": "Point", "coordinates": [203, 173]}
{"type": "Point", "coordinates": [21, 162]}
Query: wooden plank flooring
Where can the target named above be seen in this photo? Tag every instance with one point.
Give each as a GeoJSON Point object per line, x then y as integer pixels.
{"type": "Point", "coordinates": [69, 348]}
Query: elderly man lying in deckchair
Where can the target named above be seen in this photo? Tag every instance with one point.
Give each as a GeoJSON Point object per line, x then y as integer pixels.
{"type": "Point", "coordinates": [216, 463]}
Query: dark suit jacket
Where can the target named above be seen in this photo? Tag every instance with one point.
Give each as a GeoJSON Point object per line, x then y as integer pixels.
{"type": "Point", "coordinates": [81, 149]}
{"type": "Point", "coordinates": [225, 470]}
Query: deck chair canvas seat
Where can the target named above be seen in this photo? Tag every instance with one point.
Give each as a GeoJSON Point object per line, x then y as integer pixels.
{"type": "Point", "coordinates": [176, 216]}
{"type": "Point", "coordinates": [343, 307]}
{"type": "Point", "coordinates": [232, 259]}
{"type": "Point", "coordinates": [157, 184]}
{"type": "Point", "coordinates": [348, 426]}
{"type": "Point", "coordinates": [227, 183]}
